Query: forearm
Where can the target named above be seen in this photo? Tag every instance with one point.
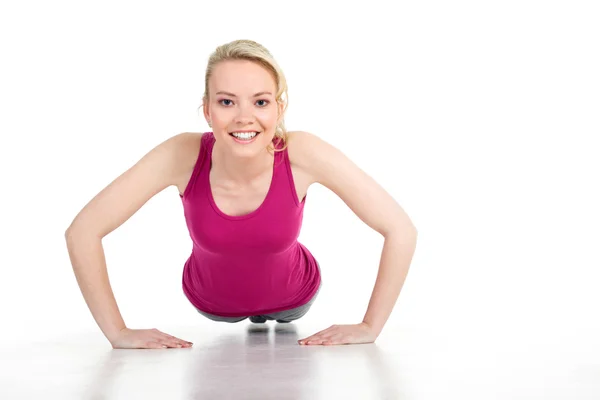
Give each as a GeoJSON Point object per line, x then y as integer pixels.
{"type": "Point", "coordinates": [89, 264]}
{"type": "Point", "coordinates": [396, 256]}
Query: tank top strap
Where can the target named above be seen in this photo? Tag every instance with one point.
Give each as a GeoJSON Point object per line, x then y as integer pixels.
{"type": "Point", "coordinates": [198, 166]}
{"type": "Point", "coordinates": [283, 154]}
{"type": "Point", "coordinates": [208, 141]}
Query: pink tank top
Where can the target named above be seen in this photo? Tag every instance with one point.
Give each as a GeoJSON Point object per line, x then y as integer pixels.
{"type": "Point", "coordinates": [251, 264]}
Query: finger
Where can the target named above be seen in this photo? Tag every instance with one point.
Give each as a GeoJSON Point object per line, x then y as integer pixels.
{"type": "Point", "coordinates": [171, 341]}
{"type": "Point", "coordinates": [311, 337]}
{"type": "Point", "coordinates": [154, 345]}
{"type": "Point", "coordinates": [313, 340]}
{"type": "Point", "coordinates": [327, 333]}
{"type": "Point", "coordinates": [305, 340]}
{"type": "Point", "coordinates": [175, 340]}
{"type": "Point", "coordinates": [317, 340]}
{"type": "Point", "coordinates": [332, 338]}
{"type": "Point", "coordinates": [183, 342]}
{"type": "Point", "coordinates": [321, 332]}
{"type": "Point", "coordinates": [315, 336]}
{"type": "Point", "coordinates": [163, 339]}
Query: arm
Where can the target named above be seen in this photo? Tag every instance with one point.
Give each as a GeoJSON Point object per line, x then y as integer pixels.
{"type": "Point", "coordinates": [396, 256]}
{"type": "Point", "coordinates": [375, 207]}
{"type": "Point", "coordinates": [109, 209]}
{"type": "Point", "coordinates": [87, 258]}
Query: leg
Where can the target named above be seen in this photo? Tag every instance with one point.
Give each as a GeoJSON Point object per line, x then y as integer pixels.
{"type": "Point", "coordinates": [258, 319]}
{"type": "Point", "coordinates": [222, 319]}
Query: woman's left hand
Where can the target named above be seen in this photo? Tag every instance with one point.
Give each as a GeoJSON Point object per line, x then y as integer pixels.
{"type": "Point", "coordinates": [342, 334]}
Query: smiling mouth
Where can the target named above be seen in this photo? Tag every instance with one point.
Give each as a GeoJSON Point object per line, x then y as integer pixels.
{"type": "Point", "coordinates": [257, 133]}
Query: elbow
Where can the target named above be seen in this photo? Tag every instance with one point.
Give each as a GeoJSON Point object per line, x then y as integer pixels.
{"type": "Point", "coordinates": [73, 232]}
{"type": "Point", "coordinates": [70, 232]}
{"type": "Point", "coordinates": [403, 232]}
{"type": "Point", "coordinates": [70, 235]}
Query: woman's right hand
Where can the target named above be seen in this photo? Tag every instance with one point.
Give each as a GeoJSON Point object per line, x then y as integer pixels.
{"type": "Point", "coordinates": [146, 339]}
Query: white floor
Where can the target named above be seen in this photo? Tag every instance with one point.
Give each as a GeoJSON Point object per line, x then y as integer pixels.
{"type": "Point", "coordinates": [247, 361]}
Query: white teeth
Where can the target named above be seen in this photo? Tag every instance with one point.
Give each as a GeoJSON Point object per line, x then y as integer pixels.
{"type": "Point", "coordinates": [244, 135]}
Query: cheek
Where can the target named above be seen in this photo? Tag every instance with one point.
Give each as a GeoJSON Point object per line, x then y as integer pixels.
{"type": "Point", "coordinates": [268, 119]}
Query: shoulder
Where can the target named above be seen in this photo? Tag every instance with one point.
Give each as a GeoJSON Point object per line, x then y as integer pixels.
{"type": "Point", "coordinates": [313, 155]}
{"type": "Point", "coordinates": [298, 143]}
{"type": "Point", "coordinates": [185, 148]}
{"type": "Point", "coordinates": [331, 168]}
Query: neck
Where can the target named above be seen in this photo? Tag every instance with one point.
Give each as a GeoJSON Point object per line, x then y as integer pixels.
{"type": "Point", "coordinates": [240, 170]}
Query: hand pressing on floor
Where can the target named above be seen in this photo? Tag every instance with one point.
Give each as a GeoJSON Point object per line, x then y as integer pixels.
{"type": "Point", "coordinates": [342, 334]}
{"type": "Point", "coordinates": [146, 339]}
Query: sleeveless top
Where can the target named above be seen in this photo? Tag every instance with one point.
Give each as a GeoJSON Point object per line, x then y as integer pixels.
{"type": "Point", "coordinates": [251, 264]}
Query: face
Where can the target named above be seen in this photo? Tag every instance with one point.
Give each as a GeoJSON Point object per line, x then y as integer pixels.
{"type": "Point", "coordinates": [242, 97]}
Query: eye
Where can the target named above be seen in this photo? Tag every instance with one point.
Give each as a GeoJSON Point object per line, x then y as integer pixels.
{"type": "Point", "coordinates": [222, 100]}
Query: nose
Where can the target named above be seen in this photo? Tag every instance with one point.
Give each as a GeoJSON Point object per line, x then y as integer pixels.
{"type": "Point", "coordinates": [243, 120]}
{"type": "Point", "coordinates": [244, 116]}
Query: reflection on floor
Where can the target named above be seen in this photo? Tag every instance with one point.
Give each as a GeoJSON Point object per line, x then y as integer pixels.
{"type": "Point", "coordinates": [264, 361]}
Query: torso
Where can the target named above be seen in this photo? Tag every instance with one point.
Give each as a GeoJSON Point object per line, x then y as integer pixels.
{"type": "Point", "coordinates": [237, 200]}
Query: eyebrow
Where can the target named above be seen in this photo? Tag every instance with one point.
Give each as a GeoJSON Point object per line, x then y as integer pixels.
{"type": "Point", "coordinates": [233, 95]}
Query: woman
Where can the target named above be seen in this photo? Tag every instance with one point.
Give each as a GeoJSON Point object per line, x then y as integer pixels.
{"type": "Point", "coordinates": [243, 187]}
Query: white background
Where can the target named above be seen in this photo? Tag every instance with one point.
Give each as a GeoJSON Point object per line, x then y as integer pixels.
{"type": "Point", "coordinates": [479, 118]}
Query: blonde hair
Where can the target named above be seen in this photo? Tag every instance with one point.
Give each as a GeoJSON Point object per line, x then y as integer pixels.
{"type": "Point", "coordinates": [252, 51]}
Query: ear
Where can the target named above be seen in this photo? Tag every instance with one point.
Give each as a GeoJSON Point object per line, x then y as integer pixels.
{"type": "Point", "coordinates": [206, 111]}
{"type": "Point", "coordinates": [280, 108]}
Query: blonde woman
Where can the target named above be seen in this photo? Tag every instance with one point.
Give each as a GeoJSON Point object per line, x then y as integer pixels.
{"type": "Point", "coordinates": [243, 187]}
